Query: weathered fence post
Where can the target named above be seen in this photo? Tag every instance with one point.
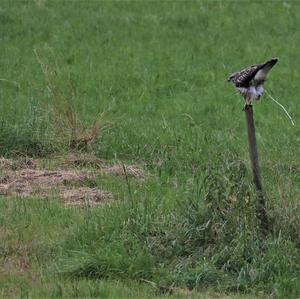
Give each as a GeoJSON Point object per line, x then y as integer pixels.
{"type": "Point", "coordinates": [250, 83]}
{"type": "Point", "coordinates": [261, 202]}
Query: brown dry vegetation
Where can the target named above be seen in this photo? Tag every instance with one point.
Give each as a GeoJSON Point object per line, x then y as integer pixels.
{"type": "Point", "coordinates": [28, 178]}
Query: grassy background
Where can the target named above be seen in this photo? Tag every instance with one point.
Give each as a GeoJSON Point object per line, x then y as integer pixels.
{"type": "Point", "coordinates": [158, 71]}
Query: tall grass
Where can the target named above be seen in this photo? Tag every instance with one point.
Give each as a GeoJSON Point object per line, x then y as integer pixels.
{"type": "Point", "coordinates": [211, 237]}
{"type": "Point", "coordinates": [27, 135]}
{"type": "Point", "coordinates": [65, 122]}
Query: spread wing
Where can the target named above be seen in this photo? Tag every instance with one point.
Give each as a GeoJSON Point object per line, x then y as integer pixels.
{"type": "Point", "coordinates": [244, 77]}
{"type": "Point", "coordinates": [257, 72]}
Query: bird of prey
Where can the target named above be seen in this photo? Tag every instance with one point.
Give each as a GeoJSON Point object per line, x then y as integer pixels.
{"type": "Point", "coordinates": [250, 81]}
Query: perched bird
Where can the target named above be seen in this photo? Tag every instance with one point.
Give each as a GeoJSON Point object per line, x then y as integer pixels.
{"type": "Point", "coordinates": [250, 81]}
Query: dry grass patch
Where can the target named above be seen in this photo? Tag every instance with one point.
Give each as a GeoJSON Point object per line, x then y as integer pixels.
{"type": "Point", "coordinates": [90, 161]}
{"type": "Point", "coordinates": [31, 182]}
{"type": "Point", "coordinates": [85, 195]}
{"type": "Point", "coordinates": [21, 163]}
{"type": "Point", "coordinates": [83, 160]}
{"type": "Point", "coordinates": [127, 170]}
{"type": "Point", "coordinates": [42, 183]}
{"type": "Point", "coordinates": [27, 177]}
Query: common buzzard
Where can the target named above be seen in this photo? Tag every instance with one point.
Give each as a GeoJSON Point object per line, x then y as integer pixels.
{"type": "Point", "coordinates": [250, 81]}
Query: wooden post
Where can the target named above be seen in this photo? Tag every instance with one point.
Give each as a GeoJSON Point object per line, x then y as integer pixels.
{"type": "Point", "coordinates": [261, 202]}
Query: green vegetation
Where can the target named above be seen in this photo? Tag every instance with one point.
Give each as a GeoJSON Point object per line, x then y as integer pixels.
{"type": "Point", "coordinates": [144, 82]}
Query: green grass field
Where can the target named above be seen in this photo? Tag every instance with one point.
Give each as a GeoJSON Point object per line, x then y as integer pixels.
{"type": "Point", "coordinates": [145, 83]}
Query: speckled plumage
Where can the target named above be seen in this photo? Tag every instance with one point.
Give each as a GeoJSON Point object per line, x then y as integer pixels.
{"type": "Point", "coordinates": [249, 81]}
